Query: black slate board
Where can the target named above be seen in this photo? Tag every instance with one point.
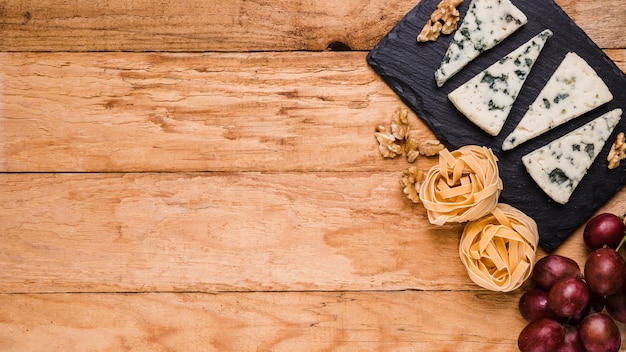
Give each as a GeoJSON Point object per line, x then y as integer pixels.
{"type": "Point", "coordinates": [408, 68]}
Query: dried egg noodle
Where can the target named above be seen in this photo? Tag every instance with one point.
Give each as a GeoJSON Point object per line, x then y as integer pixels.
{"type": "Point", "coordinates": [499, 249]}
{"type": "Point", "coordinates": [464, 186]}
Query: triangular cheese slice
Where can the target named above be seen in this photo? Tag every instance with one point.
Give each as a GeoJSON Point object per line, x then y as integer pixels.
{"type": "Point", "coordinates": [558, 167]}
{"type": "Point", "coordinates": [573, 90]}
{"type": "Point", "coordinates": [486, 24]}
{"type": "Point", "coordinates": [487, 99]}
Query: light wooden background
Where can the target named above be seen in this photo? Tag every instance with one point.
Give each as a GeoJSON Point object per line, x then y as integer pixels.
{"type": "Point", "coordinates": [203, 176]}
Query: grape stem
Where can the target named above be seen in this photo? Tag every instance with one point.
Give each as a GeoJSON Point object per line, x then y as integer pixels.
{"type": "Point", "coordinates": [621, 243]}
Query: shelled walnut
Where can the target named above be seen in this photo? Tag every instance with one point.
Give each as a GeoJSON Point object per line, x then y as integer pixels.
{"type": "Point", "coordinates": [442, 21]}
{"type": "Point", "coordinates": [430, 147]}
{"type": "Point", "coordinates": [387, 143]}
{"type": "Point", "coordinates": [411, 182]}
{"type": "Point", "coordinates": [400, 123]}
{"type": "Point", "coordinates": [618, 151]}
{"type": "Point", "coordinates": [411, 148]}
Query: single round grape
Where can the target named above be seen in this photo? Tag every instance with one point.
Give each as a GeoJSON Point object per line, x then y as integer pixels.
{"type": "Point", "coordinates": [534, 304]}
{"type": "Point", "coordinates": [605, 270]}
{"type": "Point", "coordinates": [604, 229]}
{"type": "Point", "coordinates": [616, 306]}
{"type": "Point", "coordinates": [541, 335]}
{"type": "Point", "coordinates": [599, 333]}
{"type": "Point", "coordinates": [571, 342]}
{"type": "Point", "coordinates": [569, 297]}
{"type": "Point", "coordinates": [553, 267]}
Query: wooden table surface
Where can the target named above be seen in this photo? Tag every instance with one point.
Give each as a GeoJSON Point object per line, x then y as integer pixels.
{"type": "Point", "coordinates": [203, 176]}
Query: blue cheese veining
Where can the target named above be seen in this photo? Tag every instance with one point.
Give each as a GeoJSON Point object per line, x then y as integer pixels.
{"type": "Point", "coordinates": [487, 99]}
{"type": "Point", "coordinates": [571, 91]}
{"type": "Point", "coordinates": [485, 25]}
{"type": "Point", "coordinates": [558, 167]}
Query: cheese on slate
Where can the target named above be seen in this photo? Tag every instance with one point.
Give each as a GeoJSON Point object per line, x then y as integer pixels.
{"type": "Point", "coordinates": [487, 98]}
{"type": "Point", "coordinates": [573, 90]}
{"type": "Point", "coordinates": [485, 25]}
{"type": "Point", "coordinates": [558, 167]}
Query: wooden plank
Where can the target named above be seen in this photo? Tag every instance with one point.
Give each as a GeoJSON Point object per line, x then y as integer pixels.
{"type": "Point", "coordinates": [195, 112]}
{"type": "Point", "coordinates": [213, 232]}
{"type": "Point", "coordinates": [236, 25]}
{"type": "Point", "coordinates": [219, 232]}
{"type": "Point", "coordinates": [192, 112]}
{"type": "Point", "coordinates": [332, 321]}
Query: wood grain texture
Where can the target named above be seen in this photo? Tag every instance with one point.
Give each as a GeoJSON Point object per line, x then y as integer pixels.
{"type": "Point", "coordinates": [239, 25]}
{"type": "Point", "coordinates": [121, 112]}
{"type": "Point", "coordinates": [192, 112]}
{"type": "Point", "coordinates": [219, 232]}
{"type": "Point", "coordinates": [231, 197]}
{"type": "Point", "coordinates": [298, 321]}
{"type": "Point", "coordinates": [225, 232]}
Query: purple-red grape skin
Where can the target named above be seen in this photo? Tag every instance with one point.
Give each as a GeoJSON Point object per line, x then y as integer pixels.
{"type": "Point", "coordinates": [603, 229]}
{"type": "Point", "coordinates": [541, 335]}
{"type": "Point", "coordinates": [599, 333]}
{"type": "Point", "coordinates": [569, 297]}
{"type": "Point", "coordinates": [534, 304]}
{"type": "Point", "coordinates": [552, 268]}
{"type": "Point", "coordinates": [571, 342]}
{"type": "Point", "coordinates": [605, 270]}
{"type": "Point", "coordinates": [616, 306]}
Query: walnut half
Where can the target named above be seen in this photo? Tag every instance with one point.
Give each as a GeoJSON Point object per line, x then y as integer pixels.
{"type": "Point", "coordinates": [618, 151]}
{"type": "Point", "coordinates": [387, 143]}
{"type": "Point", "coordinates": [443, 20]}
{"type": "Point", "coordinates": [411, 182]}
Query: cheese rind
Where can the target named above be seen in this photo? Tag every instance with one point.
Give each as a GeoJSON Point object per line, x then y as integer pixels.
{"type": "Point", "coordinates": [572, 90]}
{"type": "Point", "coordinates": [488, 97]}
{"type": "Point", "coordinates": [559, 166]}
{"type": "Point", "coordinates": [486, 24]}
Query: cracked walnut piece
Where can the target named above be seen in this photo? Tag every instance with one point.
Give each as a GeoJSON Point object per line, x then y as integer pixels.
{"type": "Point", "coordinates": [442, 21]}
{"type": "Point", "coordinates": [618, 152]}
{"type": "Point", "coordinates": [411, 148]}
{"type": "Point", "coordinates": [400, 123]}
{"type": "Point", "coordinates": [387, 143]}
{"type": "Point", "coordinates": [411, 182]}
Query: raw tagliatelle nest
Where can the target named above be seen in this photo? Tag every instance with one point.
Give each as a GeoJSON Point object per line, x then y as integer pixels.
{"type": "Point", "coordinates": [464, 186]}
{"type": "Point", "coordinates": [499, 249]}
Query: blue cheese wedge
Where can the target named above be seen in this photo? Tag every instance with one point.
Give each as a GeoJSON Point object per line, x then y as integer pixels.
{"type": "Point", "coordinates": [486, 24]}
{"type": "Point", "coordinates": [558, 167]}
{"type": "Point", "coordinates": [487, 99]}
{"type": "Point", "coordinates": [572, 90]}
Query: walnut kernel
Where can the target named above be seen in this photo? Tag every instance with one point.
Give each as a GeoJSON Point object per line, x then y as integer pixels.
{"type": "Point", "coordinates": [386, 143]}
{"type": "Point", "coordinates": [430, 147]}
{"type": "Point", "coordinates": [411, 148]}
{"type": "Point", "coordinates": [618, 151]}
{"type": "Point", "coordinates": [443, 20]}
{"type": "Point", "coordinates": [400, 123]}
{"type": "Point", "coordinates": [430, 32]}
{"type": "Point", "coordinates": [411, 182]}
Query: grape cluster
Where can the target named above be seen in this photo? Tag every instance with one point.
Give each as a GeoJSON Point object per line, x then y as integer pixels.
{"type": "Point", "coordinates": [573, 310]}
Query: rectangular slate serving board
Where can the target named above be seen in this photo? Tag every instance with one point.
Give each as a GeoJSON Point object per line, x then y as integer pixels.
{"type": "Point", "coordinates": [408, 68]}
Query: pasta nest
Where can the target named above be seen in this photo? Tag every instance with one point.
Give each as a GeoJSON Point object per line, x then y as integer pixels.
{"type": "Point", "coordinates": [464, 186]}
{"type": "Point", "coordinates": [499, 249]}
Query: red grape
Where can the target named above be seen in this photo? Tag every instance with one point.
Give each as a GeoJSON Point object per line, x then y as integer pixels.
{"type": "Point", "coordinates": [605, 270]}
{"type": "Point", "coordinates": [569, 297]}
{"type": "Point", "coordinates": [571, 342]}
{"type": "Point", "coordinates": [604, 229]}
{"type": "Point", "coordinates": [534, 304]}
{"type": "Point", "coordinates": [599, 333]}
{"type": "Point", "coordinates": [616, 306]}
{"type": "Point", "coordinates": [541, 335]}
{"type": "Point", "coordinates": [553, 267]}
